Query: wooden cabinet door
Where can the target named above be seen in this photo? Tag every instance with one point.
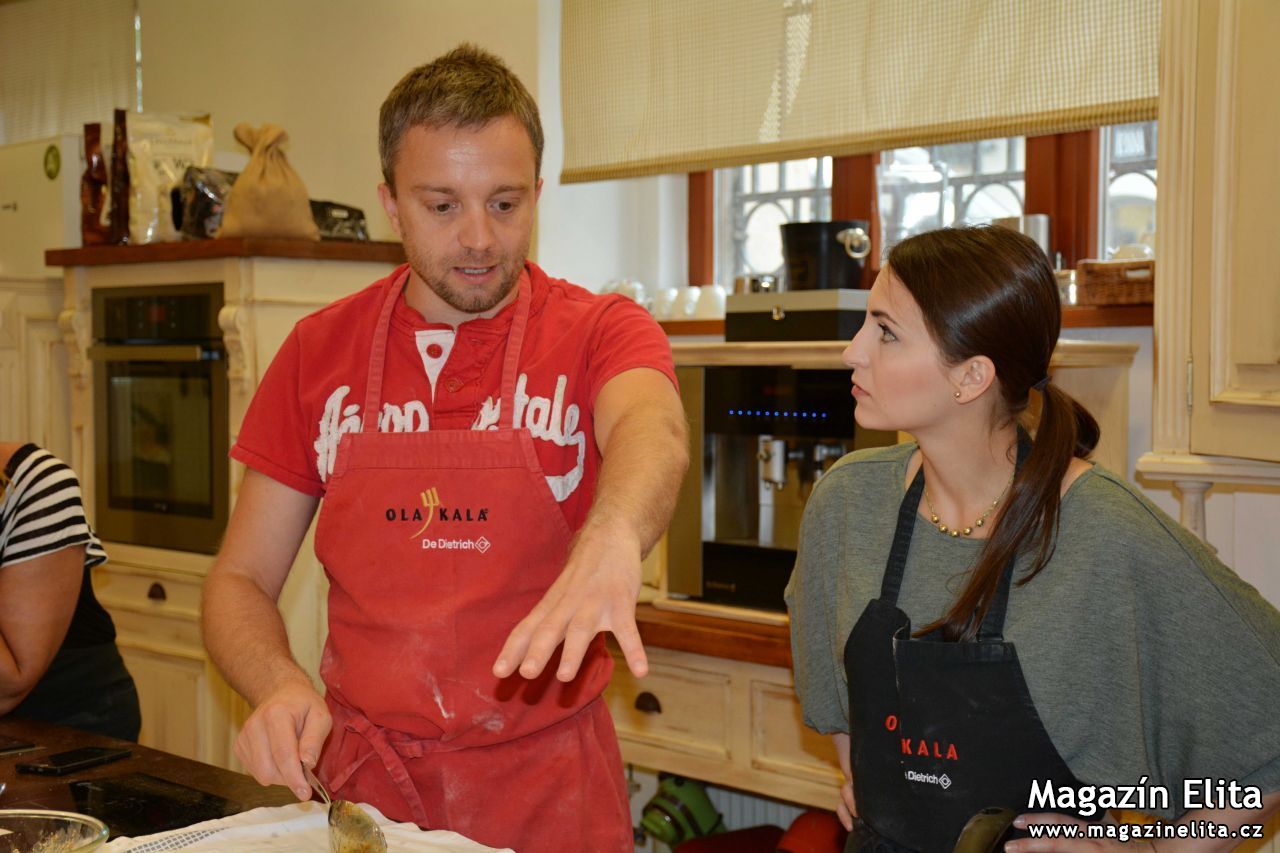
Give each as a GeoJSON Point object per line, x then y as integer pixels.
{"type": "Point", "coordinates": [1235, 311]}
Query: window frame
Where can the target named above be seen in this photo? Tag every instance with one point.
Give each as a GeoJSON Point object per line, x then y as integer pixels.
{"type": "Point", "coordinates": [1062, 180]}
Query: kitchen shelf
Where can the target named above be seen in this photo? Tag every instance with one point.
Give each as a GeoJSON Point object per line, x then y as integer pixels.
{"type": "Point", "coordinates": [1073, 317]}
{"type": "Point", "coordinates": [229, 247]}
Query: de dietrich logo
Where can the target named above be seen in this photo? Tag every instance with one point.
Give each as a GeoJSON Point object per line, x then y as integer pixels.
{"type": "Point", "coordinates": [430, 509]}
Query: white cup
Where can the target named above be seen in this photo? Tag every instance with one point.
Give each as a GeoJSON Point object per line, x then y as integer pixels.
{"type": "Point", "coordinates": [710, 303]}
{"type": "Point", "coordinates": [664, 300]}
{"type": "Point", "coordinates": [633, 290]}
{"type": "Point", "coordinates": [686, 303]}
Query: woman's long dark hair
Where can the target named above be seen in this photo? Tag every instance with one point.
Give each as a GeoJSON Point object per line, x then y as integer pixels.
{"type": "Point", "coordinates": [990, 291]}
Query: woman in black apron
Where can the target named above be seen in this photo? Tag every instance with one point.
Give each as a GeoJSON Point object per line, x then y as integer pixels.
{"type": "Point", "coordinates": [942, 727]}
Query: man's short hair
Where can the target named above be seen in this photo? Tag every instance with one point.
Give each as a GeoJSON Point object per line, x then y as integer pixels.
{"type": "Point", "coordinates": [467, 87]}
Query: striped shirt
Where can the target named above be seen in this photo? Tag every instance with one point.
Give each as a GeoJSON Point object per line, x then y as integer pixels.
{"type": "Point", "coordinates": [41, 511]}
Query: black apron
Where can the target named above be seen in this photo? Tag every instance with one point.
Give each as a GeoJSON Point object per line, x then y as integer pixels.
{"type": "Point", "coordinates": [939, 730]}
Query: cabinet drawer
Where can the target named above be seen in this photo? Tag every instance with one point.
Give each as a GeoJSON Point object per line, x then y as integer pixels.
{"type": "Point", "coordinates": [674, 707]}
{"type": "Point", "coordinates": [147, 591]}
{"type": "Point", "coordinates": [782, 743]}
{"type": "Point", "coordinates": [155, 611]}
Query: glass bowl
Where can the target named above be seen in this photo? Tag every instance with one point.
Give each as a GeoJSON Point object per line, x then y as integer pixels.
{"type": "Point", "coordinates": [36, 831]}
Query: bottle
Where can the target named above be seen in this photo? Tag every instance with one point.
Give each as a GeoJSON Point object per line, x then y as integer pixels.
{"type": "Point", "coordinates": [94, 230]}
{"type": "Point", "coordinates": [119, 180]}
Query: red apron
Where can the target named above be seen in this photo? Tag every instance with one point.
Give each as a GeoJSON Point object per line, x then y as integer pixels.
{"type": "Point", "coordinates": [435, 545]}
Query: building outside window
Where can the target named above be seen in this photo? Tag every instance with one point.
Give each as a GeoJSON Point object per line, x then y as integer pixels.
{"type": "Point", "coordinates": [927, 187]}
{"type": "Point", "coordinates": [924, 188]}
{"type": "Point", "coordinates": [753, 201]}
{"type": "Point", "coordinates": [1127, 169]}
{"type": "Point", "coordinates": [919, 189]}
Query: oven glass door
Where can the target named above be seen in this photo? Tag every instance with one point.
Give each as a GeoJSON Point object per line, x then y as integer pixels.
{"type": "Point", "coordinates": [162, 446]}
{"type": "Point", "coordinates": [159, 436]}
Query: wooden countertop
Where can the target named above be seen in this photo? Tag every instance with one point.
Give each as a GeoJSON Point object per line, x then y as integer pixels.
{"type": "Point", "coordinates": [52, 792]}
{"type": "Point", "coordinates": [1073, 317]}
{"type": "Point", "coordinates": [709, 635]}
{"type": "Point", "coordinates": [825, 355]}
{"type": "Point", "coordinates": [231, 247]}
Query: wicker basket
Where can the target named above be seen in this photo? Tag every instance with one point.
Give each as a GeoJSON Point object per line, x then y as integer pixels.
{"type": "Point", "coordinates": [1116, 282]}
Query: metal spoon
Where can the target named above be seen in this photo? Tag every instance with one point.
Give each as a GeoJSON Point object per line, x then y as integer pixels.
{"type": "Point", "coordinates": [351, 830]}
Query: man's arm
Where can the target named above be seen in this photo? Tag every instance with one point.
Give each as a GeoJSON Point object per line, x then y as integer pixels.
{"type": "Point", "coordinates": [246, 638]}
{"type": "Point", "coordinates": [640, 429]}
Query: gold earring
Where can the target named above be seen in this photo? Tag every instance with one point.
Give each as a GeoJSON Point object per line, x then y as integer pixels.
{"type": "Point", "coordinates": [957, 395]}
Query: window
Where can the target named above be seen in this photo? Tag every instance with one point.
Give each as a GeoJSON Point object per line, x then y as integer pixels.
{"type": "Point", "coordinates": [921, 189]}
{"type": "Point", "coordinates": [752, 201]}
{"type": "Point", "coordinates": [1097, 187]}
{"type": "Point", "coordinates": [1127, 168]}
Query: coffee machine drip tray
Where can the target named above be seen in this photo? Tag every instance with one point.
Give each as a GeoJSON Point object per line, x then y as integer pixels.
{"type": "Point", "coordinates": [746, 575]}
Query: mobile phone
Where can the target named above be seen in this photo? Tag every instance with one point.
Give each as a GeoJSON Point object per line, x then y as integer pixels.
{"type": "Point", "coordinates": [61, 763]}
{"type": "Point", "coordinates": [10, 745]}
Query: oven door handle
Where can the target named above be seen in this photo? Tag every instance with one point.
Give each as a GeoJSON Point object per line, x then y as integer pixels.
{"type": "Point", "coordinates": [148, 352]}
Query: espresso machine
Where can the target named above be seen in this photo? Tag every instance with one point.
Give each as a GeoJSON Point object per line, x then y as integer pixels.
{"type": "Point", "coordinates": [762, 437]}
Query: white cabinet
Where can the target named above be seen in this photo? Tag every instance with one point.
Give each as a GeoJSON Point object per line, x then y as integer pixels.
{"type": "Point", "coordinates": [728, 722]}
{"type": "Point", "coordinates": [34, 398]}
{"type": "Point", "coordinates": [152, 594]}
{"type": "Point", "coordinates": [1217, 317]}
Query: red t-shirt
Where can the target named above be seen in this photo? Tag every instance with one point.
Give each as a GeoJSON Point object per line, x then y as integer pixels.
{"type": "Point", "coordinates": [576, 341]}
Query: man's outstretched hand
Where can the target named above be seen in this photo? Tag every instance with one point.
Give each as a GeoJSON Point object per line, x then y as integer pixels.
{"type": "Point", "coordinates": [596, 591]}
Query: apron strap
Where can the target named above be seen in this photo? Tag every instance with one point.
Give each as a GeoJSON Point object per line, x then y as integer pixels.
{"type": "Point", "coordinates": [515, 342]}
{"type": "Point", "coordinates": [891, 584]}
{"type": "Point", "coordinates": [378, 355]}
{"type": "Point", "coordinates": [391, 761]}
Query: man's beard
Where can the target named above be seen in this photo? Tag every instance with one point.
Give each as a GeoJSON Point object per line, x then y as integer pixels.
{"type": "Point", "coordinates": [508, 270]}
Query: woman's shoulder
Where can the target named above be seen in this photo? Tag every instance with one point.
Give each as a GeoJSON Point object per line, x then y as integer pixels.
{"type": "Point", "coordinates": [1173, 572]}
{"type": "Point", "coordinates": [18, 459]}
{"type": "Point", "coordinates": [1113, 517]}
{"type": "Point", "coordinates": [1100, 490]}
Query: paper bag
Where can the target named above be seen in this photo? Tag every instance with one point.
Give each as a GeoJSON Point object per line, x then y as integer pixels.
{"type": "Point", "coordinates": [268, 199]}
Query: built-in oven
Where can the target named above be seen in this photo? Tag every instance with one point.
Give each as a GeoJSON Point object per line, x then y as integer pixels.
{"type": "Point", "coordinates": [160, 416]}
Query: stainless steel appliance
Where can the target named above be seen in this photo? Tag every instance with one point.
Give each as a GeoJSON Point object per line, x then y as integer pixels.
{"type": "Point", "coordinates": [160, 416]}
{"type": "Point", "coordinates": [762, 436]}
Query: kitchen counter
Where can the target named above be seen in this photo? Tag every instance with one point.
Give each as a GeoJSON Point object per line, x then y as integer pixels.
{"type": "Point", "coordinates": [713, 636]}
{"type": "Point", "coordinates": [1073, 317]}
{"type": "Point", "coordinates": [53, 792]}
{"type": "Point", "coordinates": [825, 355]}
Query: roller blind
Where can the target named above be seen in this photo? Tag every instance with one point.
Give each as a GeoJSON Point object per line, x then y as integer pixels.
{"type": "Point", "coordinates": [63, 63]}
{"type": "Point", "coordinates": [659, 86]}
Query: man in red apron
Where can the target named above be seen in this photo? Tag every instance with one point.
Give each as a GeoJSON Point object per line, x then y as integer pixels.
{"type": "Point", "coordinates": [495, 450]}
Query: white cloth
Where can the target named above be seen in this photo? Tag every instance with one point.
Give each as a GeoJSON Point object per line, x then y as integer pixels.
{"type": "Point", "coordinates": [297, 828]}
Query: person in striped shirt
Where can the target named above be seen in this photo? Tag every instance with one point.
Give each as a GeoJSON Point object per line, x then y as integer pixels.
{"type": "Point", "coordinates": [58, 656]}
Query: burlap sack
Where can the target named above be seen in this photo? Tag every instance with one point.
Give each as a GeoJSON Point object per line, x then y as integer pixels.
{"type": "Point", "coordinates": [268, 199]}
